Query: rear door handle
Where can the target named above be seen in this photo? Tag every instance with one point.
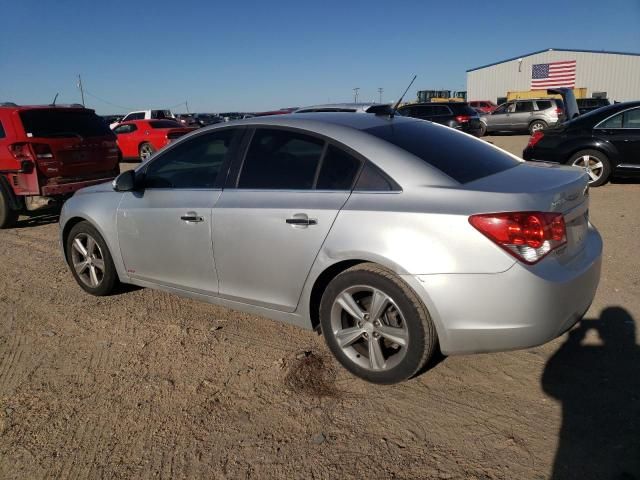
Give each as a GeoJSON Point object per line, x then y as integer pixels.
{"type": "Point", "coordinates": [301, 220]}
{"type": "Point", "coordinates": [191, 217]}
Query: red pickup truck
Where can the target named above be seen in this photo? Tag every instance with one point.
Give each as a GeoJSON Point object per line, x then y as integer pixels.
{"type": "Point", "coordinates": [48, 152]}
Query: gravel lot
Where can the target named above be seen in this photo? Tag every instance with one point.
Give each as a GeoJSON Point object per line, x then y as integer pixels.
{"type": "Point", "coordinates": [148, 385]}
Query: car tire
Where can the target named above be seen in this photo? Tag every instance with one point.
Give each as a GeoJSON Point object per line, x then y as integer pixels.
{"type": "Point", "coordinates": [595, 163]}
{"type": "Point", "coordinates": [385, 347]}
{"type": "Point", "coordinates": [536, 126]}
{"type": "Point", "coordinates": [97, 275]}
{"type": "Point", "coordinates": [145, 151]}
{"type": "Point", "coordinates": [8, 216]}
{"type": "Point", "coordinates": [483, 130]}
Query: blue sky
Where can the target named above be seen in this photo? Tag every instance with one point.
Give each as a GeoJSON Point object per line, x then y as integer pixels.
{"type": "Point", "coordinates": [260, 55]}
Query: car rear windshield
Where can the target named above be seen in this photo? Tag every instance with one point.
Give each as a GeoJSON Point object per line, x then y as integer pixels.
{"type": "Point", "coordinates": [55, 123]}
{"type": "Point", "coordinates": [164, 124]}
{"type": "Point", "coordinates": [459, 156]}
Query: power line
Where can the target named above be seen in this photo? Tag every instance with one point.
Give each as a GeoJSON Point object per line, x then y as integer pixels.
{"type": "Point", "coordinates": [107, 101]}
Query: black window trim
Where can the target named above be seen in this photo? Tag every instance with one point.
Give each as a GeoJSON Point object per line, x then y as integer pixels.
{"type": "Point", "coordinates": [221, 179]}
{"type": "Point", "coordinates": [236, 169]}
{"type": "Point", "coordinates": [3, 132]}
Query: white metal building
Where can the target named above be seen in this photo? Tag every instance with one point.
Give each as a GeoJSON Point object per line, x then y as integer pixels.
{"type": "Point", "coordinates": [614, 75]}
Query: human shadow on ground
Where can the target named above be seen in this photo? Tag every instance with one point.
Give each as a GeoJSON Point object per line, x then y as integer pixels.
{"type": "Point", "coordinates": [599, 389]}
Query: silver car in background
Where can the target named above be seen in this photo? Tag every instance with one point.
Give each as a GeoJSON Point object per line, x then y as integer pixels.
{"type": "Point", "coordinates": [523, 115]}
{"type": "Point", "coordinates": [392, 236]}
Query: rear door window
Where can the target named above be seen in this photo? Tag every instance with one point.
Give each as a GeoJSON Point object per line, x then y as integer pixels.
{"type": "Point", "coordinates": [52, 123]}
{"type": "Point", "coordinates": [165, 124]}
{"type": "Point", "coordinates": [524, 107]}
{"type": "Point", "coordinates": [460, 157]}
{"type": "Point", "coordinates": [441, 110]}
{"type": "Point", "coordinates": [543, 104]}
{"type": "Point", "coordinates": [281, 160]}
{"type": "Point", "coordinates": [632, 118]}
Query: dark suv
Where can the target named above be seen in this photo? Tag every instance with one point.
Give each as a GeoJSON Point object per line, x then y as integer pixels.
{"type": "Point", "coordinates": [49, 152]}
{"type": "Point", "coordinates": [458, 115]}
{"type": "Point", "coordinates": [587, 104]}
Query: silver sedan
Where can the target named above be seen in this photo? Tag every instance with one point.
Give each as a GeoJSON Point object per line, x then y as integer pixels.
{"type": "Point", "coordinates": [392, 236]}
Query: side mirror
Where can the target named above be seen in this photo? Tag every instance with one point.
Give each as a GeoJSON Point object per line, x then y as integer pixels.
{"type": "Point", "coordinates": [125, 182]}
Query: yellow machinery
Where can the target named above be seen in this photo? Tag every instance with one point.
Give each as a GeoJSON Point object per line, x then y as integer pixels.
{"type": "Point", "coordinates": [524, 94]}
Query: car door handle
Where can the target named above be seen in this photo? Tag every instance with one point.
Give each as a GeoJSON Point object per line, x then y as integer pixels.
{"type": "Point", "coordinates": [192, 217]}
{"type": "Point", "coordinates": [302, 221]}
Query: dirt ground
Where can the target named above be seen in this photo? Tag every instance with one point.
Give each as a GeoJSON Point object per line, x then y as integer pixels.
{"type": "Point", "coordinates": [144, 384]}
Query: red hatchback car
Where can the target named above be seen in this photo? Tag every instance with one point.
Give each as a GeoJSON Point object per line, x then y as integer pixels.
{"type": "Point", "coordinates": [140, 138]}
{"type": "Point", "coordinates": [483, 106]}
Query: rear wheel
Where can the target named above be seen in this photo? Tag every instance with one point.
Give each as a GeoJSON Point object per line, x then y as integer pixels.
{"type": "Point", "coordinates": [483, 130]}
{"type": "Point", "coordinates": [536, 126]}
{"type": "Point", "coordinates": [90, 260]}
{"type": "Point", "coordinates": [595, 163]}
{"type": "Point", "coordinates": [375, 325]}
{"type": "Point", "coordinates": [145, 151]}
{"type": "Point", "coordinates": [8, 217]}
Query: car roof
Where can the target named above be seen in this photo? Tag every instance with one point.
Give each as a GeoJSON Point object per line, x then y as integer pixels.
{"type": "Point", "coordinates": [362, 107]}
{"type": "Point", "coordinates": [10, 106]}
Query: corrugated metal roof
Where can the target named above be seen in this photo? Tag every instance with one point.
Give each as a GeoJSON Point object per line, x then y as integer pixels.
{"type": "Point", "coordinates": [552, 49]}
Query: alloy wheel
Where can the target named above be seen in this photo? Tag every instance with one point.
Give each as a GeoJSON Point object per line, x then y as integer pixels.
{"type": "Point", "coordinates": [369, 328]}
{"type": "Point", "coordinates": [145, 151]}
{"type": "Point", "coordinates": [87, 259]}
{"type": "Point", "coordinates": [592, 165]}
{"type": "Point", "coordinates": [536, 127]}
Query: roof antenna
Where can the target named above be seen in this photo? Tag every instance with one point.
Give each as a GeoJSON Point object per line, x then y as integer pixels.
{"type": "Point", "coordinates": [54, 100]}
{"type": "Point", "coordinates": [395, 107]}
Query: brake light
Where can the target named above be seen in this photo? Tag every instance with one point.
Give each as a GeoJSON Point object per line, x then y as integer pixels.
{"type": "Point", "coordinates": [528, 236]}
{"type": "Point", "coordinates": [535, 138]}
{"type": "Point", "coordinates": [21, 151]}
{"type": "Point", "coordinates": [463, 118]}
{"type": "Point", "coordinates": [559, 111]}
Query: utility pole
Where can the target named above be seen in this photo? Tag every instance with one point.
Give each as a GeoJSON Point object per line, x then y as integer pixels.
{"type": "Point", "coordinates": [355, 94]}
{"type": "Point", "coordinates": [186, 104]}
{"type": "Point", "coordinates": [81, 90]}
{"type": "Point", "coordinates": [380, 90]}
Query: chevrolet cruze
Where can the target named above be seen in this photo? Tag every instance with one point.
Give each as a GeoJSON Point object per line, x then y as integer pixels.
{"type": "Point", "coordinates": [392, 236]}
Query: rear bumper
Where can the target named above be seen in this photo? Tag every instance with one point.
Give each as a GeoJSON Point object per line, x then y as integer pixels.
{"type": "Point", "coordinates": [68, 188]}
{"type": "Point", "coordinates": [519, 308]}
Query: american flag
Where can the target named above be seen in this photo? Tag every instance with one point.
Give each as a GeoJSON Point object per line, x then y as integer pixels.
{"type": "Point", "coordinates": [556, 74]}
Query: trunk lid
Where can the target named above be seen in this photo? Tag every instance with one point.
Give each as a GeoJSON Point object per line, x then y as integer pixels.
{"type": "Point", "coordinates": [545, 187]}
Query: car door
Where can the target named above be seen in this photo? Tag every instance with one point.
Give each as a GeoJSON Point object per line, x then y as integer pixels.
{"type": "Point", "coordinates": [520, 119]}
{"type": "Point", "coordinates": [273, 219]}
{"type": "Point", "coordinates": [126, 136]}
{"type": "Point", "coordinates": [165, 228]}
{"type": "Point", "coordinates": [623, 131]}
{"type": "Point", "coordinates": [499, 118]}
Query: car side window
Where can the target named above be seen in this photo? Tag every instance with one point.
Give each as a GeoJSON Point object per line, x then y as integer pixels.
{"type": "Point", "coordinates": [502, 108]}
{"type": "Point", "coordinates": [194, 163]}
{"type": "Point", "coordinates": [613, 122]}
{"type": "Point", "coordinates": [441, 110]}
{"type": "Point", "coordinates": [2, 134]}
{"type": "Point", "coordinates": [281, 160]}
{"type": "Point", "coordinates": [372, 179]}
{"type": "Point", "coordinates": [124, 129]}
{"type": "Point", "coordinates": [543, 104]}
{"type": "Point", "coordinates": [524, 107]}
{"type": "Point", "coordinates": [632, 118]}
{"type": "Point", "coordinates": [338, 170]}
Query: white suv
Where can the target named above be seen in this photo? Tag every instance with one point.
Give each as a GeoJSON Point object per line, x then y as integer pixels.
{"type": "Point", "coordinates": [144, 115]}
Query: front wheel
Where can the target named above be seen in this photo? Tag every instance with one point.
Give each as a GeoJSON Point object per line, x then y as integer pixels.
{"type": "Point", "coordinates": [145, 151]}
{"type": "Point", "coordinates": [483, 130]}
{"type": "Point", "coordinates": [595, 163]}
{"type": "Point", "coordinates": [537, 126]}
{"type": "Point", "coordinates": [90, 260]}
{"type": "Point", "coordinates": [375, 325]}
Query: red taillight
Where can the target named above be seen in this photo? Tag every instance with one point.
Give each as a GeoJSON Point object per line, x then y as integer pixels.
{"type": "Point", "coordinates": [21, 151]}
{"type": "Point", "coordinates": [535, 138]}
{"type": "Point", "coordinates": [463, 118]}
{"type": "Point", "coordinates": [559, 111]}
{"type": "Point", "coordinates": [528, 236]}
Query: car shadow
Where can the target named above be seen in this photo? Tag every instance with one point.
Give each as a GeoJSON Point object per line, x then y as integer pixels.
{"type": "Point", "coordinates": [34, 219]}
{"type": "Point", "coordinates": [599, 389]}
